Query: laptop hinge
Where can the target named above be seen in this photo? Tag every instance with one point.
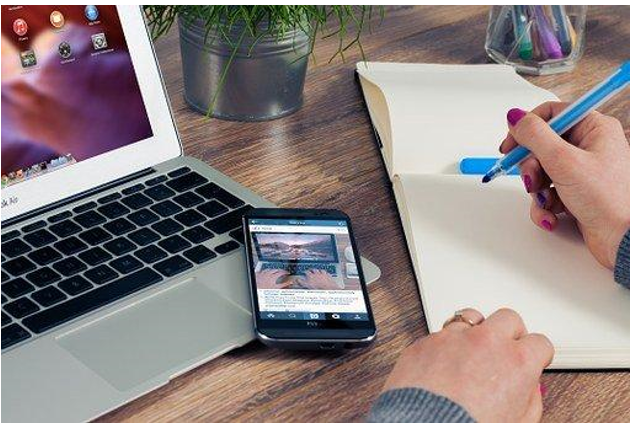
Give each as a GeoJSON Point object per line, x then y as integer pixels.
{"type": "Point", "coordinates": [76, 197]}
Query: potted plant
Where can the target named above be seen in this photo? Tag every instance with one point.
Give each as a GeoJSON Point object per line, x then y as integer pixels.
{"type": "Point", "coordinates": [249, 63]}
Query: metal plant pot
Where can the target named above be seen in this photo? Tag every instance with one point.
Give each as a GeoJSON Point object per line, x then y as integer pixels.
{"type": "Point", "coordinates": [264, 80]}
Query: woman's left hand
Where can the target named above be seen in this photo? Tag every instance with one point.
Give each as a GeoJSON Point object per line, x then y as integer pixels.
{"type": "Point", "coordinates": [492, 369]}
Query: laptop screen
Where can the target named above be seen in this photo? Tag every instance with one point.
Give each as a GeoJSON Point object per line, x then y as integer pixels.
{"type": "Point", "coordinates": [295, 247]}
{"type": "Point", "coordinates": [69, 89]}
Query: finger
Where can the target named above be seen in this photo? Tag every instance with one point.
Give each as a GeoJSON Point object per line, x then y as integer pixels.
{"type": "Point", "coordinates": [532, 132]}
{"type": "Point", "coordinates": [542, 217]}
{"type": "Point", "coordinates": [508, 144]}
{"type": "Point", "coordinates": [549, 199]}
{"type": "Point", "coordinates": [533, 176]}
{"type": "Point", "coordinates": [539, 349]}
{"type": "Point", "coordinates": [595, 121]}
{"type": "Point", "coordinates": [506, 322]}
{"type": "Point", "coordinates": [468, 315]}
{"type": "Point", "coordinates": [535, 408]}
{"type": "Point", "coordinates": [550, 109]}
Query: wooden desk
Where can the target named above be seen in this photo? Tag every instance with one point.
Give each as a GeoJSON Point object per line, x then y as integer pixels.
{"type": "Point", "coordinates": [324, 156]}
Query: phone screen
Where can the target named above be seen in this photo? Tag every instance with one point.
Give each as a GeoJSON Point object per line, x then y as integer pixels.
{"type": "Point", "coordinates": [306, 274]}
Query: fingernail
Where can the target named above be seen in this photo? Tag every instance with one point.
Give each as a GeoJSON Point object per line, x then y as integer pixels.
{"type": "Point", "coordinates": [541, 198]}
{"type": "Point", "coordinates": [542, 389]}
{"type": "Point", "coordinates": [546, 225]}
{"type": "Point", "coordinates": [515, 115]}
{"type": "Point", "coordinates": [527, 181]}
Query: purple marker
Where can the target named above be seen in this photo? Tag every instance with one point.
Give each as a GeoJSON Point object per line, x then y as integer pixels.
{"type": "Point", "coordinates": [549, 41]}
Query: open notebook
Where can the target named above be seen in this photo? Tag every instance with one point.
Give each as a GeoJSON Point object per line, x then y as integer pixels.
{"type": "Point", "coordinates": [473, 244]}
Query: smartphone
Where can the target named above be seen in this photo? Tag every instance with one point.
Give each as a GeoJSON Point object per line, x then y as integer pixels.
{"type": "Point", "coordinates": [307, 284]}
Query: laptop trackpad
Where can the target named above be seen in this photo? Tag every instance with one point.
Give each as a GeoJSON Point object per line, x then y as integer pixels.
{"type": "Point", "coordinates": [168, 330]}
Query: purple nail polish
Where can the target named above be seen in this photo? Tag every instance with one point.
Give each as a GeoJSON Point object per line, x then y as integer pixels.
{"type": "Point", "coordinates": [527, 182]}
{"type": "Point", "coordinates": [546, 225]}
{"type": "Point", "coordinates": [514, 116]}
{"type": "Point", "coordinates": [541, 199]}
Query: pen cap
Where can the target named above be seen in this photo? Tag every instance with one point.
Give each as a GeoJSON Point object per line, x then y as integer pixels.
{"type": "Point", "coordinates": [536, 39]}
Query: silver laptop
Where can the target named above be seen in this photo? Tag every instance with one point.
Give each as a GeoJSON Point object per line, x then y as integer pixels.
{"type": "Point", "coordinates": [122, 263]}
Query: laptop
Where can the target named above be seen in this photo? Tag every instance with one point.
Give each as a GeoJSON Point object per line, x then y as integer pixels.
{"type": "Point", "coordinates": [122, 263]}
{"type": "Point", "coordinates": [296, 253]}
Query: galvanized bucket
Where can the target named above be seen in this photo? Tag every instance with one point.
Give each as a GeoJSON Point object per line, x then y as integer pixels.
{"type": "Point", "coordinates": [264, 81]}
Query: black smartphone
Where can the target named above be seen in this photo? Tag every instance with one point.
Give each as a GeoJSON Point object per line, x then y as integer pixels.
{"type": "Point", "coordinates": [308, 287]}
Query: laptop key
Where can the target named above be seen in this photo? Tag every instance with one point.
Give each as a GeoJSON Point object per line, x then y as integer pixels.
{"type": "Point", "coordinates": [143, 217]}
{"type": "Point", "coordinates": [43, 276]}
{"type": "Point", "coordinates": [95, 236]}
{"type": "Point", "coordinates": [166, 208]}
{"type": "Point", "coordinates": [126, 264]}
{"type": "Point", "coordinates": [136, 201]}
{"type": "Point", "coordinates": [75, 285]}
{"type": "Point", "coordinates": [119, 226]}
{"type": "Point", "coordinates": [40, 238]}
{"type": "Point", "coordinates": [178, 172]}
{"type": "Point", "coordinates": [190, 218]}
{"type": "Point", "coordinates": [13, 334]}
{"type": "Point", "coordinates": [70, 246]}
{"type": "Point", "coordinates": [95, 256]}
{"type": "Point", "coordinates": [108, 198]}
{"type": "Point", "coordinates": [15, 248]}
{"type": "Point", "coordinates": [143, 236]}
{"type": "Point", "coordinates": [173, 266]}
{"type": "Point", "coordinates": [212, 190]}
{"type": "Point", "coordinates": [89, 219]}
{"type": "Point", "coordinates": [159, 192]}
{"type": "Point", "coordinates": [197, 234]}
{"type": "Point", "coordinates": [188, 199]}
{"type": "Point", "coordinates": [18, 266]}
{"type": "Point", "coordinates": [48, 296]}
{"type": "Point", "coordinates": [20, 308]}
{"type": "Point", "coordinates": [59, 217]}
{"type": "Point", "coordinates": [227, 247]}
{"type": "Point", "coordinates": [44, 256]}
{"type": "Point", "coordinates": [174, 244]}
{"type": "Point", "coordinates": [228, 221]}
{"type": "Point", "coordinates": [101, 274]}
{"type": "Point", "coordinates": [119, 246]}
{"type": "Point", "coordinates": [5, 277]}
{"type": "Point", "coordinates": [157, 180]}
{"type": "Point", "coordinates": [33, 226]}
{"type": "Point", "coordinates": [69, 266]}
{"type": "Point", "coordinates": [167, 227]}
{"type": "Point", "coordinates": [91, 300]}
{"type": "Point", "coordinates": [186, 182]}
{"type": "Point", "coordinates": [5, 319]}
{"type": "Point", "coordinates": [65, 228]}
{"type": "Point", "coordinates": [132, 189]}
{"type": "Point", "coordinates": [4, 299]}
{"type": "Point", "coordinates": [212, 208]}
{"type": "Point", "coordinates": [237, 234]}
{"type": "Point", "coordinates": [150, 254]}
{"type": "Point", "coordinates": [17, 288]}
{"type": "Point", "coordinates": [199, 254]}
{"type": "Point", "coordinates": [113, 210]}
{"type": "Point", "coordinates": [85, 207]}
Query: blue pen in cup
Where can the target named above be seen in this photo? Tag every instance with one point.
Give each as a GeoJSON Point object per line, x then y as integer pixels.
{"type": "Point", "coordinates": [569, 117]}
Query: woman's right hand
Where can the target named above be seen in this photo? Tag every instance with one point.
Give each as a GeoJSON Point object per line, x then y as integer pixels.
{"type": "Point", "coordinates": [589, 174]}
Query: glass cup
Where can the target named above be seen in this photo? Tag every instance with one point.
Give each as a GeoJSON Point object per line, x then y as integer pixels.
{"type": "Point", "coordinates": [537, 40]}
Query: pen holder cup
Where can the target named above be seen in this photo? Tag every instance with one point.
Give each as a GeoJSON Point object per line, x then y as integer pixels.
{"type": "Point", "coordinates": [537, 40]}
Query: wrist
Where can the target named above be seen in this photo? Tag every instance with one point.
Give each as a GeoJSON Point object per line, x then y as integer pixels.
{"type": "Point", "coordinates": [614, 241]}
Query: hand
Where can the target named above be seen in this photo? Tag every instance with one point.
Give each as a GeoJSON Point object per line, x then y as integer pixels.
{"type": "Point", "coordinates": [491, 369]}
{"type": "Point", "coordinates": [589, 173]}
{"type": "Point", "coordinates": [319, 279]}
{"type": "Point", "coordinates": [268, 279]}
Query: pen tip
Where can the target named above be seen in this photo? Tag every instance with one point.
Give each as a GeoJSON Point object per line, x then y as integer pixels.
{"type": "Point", "coordinates": [485, 179]}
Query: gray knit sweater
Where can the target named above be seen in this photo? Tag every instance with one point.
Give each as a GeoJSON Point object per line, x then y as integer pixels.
{"type": "Point", "coordinates": [419, 405]}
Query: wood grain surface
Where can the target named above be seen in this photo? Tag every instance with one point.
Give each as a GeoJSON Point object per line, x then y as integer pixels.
{"type": "Point", "coordinates": [324, 156]}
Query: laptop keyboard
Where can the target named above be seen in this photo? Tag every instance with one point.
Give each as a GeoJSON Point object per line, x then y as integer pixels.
{"type": "Point", "coordinates": [75, 262]}
{"type": "Point", "coordinates": [299, 269]}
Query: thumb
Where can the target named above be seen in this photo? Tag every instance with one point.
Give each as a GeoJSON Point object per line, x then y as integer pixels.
{"type": "Point", "coordinates": [532, 132]}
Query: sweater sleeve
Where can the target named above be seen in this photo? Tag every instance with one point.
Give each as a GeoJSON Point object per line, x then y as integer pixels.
{"type": "Point", "coordinates": [621, 268]}
{"type": "Point", "coordinates": [416, 405]}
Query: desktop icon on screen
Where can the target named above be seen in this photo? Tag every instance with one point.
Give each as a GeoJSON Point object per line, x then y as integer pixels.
{"type": "Point", "coordinates": [99, 41]}
{"type": "Point", "coordinates": [28, 59]}
{"type": "Point", "coordinates": [64, 49]}
{"type": "Point", "coordinates": [20, 27]}
{"type": "Point", "coordinates": [91, 13]}
{"type": "Point", "coordinates": [57, 19]}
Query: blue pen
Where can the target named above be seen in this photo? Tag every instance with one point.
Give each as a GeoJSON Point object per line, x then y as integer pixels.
{"type": "Point", "coordinates": [569, 117]}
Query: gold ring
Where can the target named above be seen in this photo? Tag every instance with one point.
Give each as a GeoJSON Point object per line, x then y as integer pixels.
{"type": "Point", "coordinates": [459, 317]}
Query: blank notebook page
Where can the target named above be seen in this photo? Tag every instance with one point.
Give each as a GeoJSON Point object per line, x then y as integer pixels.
{"type": "Point", "coordinates": [476, 246]}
